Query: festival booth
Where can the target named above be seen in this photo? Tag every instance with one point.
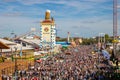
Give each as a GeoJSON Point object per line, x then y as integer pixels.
{"type": "Point", "coordinates": [3, 46]}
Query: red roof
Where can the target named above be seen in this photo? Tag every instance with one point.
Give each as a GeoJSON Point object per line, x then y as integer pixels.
{"type": "Point", "coordinates": [47, 21]}
{"type": "Point", "coordinates": [3, 46]}
{"type": "Point", "coordinates": [39, 60]}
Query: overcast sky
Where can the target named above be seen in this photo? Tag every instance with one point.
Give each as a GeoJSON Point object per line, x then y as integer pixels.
{"type": "Point", "coordinates": [82, 18]}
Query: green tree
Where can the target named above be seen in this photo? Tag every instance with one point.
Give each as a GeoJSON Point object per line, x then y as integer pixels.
{"type": "Point", "coordinates": [88, 41]}
{"type": "Point", "coordinates": [107, 37]}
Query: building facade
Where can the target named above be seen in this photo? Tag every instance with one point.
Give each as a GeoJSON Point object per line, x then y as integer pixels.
{"type": "Point", "coordinates": [47, 31]}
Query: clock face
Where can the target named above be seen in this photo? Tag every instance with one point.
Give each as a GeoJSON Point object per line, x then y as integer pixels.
{"type": "Point", "coordinates": [46, 29]}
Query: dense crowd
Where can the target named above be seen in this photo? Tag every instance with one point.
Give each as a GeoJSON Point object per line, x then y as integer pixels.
{"type": "Point", "coordinates": [73, 64]}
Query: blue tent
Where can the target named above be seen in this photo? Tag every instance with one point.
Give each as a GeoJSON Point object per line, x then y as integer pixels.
{"type": "Point", "coordinates": [65, 44]}
{"type": "Point", "coordinates": [106, 54]}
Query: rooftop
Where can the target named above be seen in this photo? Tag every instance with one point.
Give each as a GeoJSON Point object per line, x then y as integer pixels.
{"type": "Point", "coordinates": [47, 21]}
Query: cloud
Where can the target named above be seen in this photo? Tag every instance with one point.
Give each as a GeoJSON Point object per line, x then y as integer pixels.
{"type": "Point", "coordinates": [18, 24]}
{"type": "Point", "coordinates": [118, 6]}
{"type": "Point", "coordinates": [73, 7]}
{"type": "Point", "coordinates": [87, 26]}
{"type": "Point", "coordinates": [8, 0]}
{"type": "Point", "coordinates": [100, 1]}
{"type": "Point", "coordinates": [91, 22]}
{"type": "Point", "coordinates": [12, 14]}
{"type": "Point", "coordinates": [76, 33]}
{"type": "Point", "coordinates": [79, 5]}
{"type": "Point", "coordinates": [22, 25]}
{"type": "Point", "coordinates": [86, 17]}
{"type": "Point", "coordinates": [31, 2]}
{"type": "Point", "coordinates": [80, 27]}
{"type": "Point", "coordinates": [36, 22]}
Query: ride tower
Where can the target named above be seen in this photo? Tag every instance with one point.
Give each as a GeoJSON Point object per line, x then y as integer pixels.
{"type": "Point", "coordinates": [47, 31]}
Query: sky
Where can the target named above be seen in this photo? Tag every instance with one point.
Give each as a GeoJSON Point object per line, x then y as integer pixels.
{"type": "Point", "coordinates": [82, 18]}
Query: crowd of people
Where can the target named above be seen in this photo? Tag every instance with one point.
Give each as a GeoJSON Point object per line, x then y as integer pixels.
{"type": "Point", "coordinates": [77, 63]}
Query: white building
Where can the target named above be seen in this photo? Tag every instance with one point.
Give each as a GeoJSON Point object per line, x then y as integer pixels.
{"type": "Point", "coordinates": [13, 46]}
{"type": "Point", "coordinates": [48, 31]}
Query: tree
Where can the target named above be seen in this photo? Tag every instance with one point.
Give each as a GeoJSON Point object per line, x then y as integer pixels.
{"type": "Point", "coordinates": [88, 41]}
{"type": "Point", "coordinates": [107, 37]}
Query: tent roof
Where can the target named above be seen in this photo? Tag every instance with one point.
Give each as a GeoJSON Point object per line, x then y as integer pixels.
{"type": "Point", "coordinates": [7, 42]}
{"type": "Point", "coordinates": [3, 46]}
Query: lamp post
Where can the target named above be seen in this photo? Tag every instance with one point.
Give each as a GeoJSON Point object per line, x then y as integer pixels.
{"type": "Point", "coordinates": [100, 40]}
{"type": "Point", "coordinates": [15, 63]}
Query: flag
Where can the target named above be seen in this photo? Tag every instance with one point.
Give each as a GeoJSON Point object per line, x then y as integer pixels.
{"type": "Point", "coordinates": [21, 52]}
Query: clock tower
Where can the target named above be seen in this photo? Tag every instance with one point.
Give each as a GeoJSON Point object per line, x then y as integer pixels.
{"type": "Point", "coordinates": [47, 31]}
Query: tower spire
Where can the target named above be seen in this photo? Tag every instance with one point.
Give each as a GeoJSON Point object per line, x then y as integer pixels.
{"type": "Point", "coordinates": [47, 15]}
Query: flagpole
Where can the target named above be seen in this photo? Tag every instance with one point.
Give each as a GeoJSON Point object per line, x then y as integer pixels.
{"type": "Point", "coordinates": [21, 52]}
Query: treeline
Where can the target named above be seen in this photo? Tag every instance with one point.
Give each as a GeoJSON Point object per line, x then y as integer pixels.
{"type": "Point", "coordinates": [87, 41]}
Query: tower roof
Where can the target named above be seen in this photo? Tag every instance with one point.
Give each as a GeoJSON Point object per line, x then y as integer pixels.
{"type": "Point", "coordinates": [48, 11]}
{"type": "Point", "coordinates": [47, 21]}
